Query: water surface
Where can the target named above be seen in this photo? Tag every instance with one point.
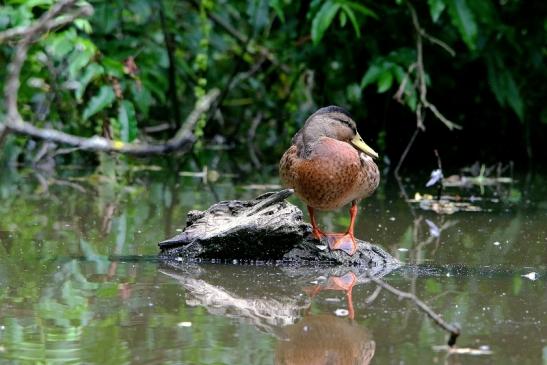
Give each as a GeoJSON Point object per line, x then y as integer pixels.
{"type": "Point", "coordinates": [79, 281]}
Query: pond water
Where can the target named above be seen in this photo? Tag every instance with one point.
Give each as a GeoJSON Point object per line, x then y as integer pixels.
{"type": "Point", "coordinates": [80, 282]}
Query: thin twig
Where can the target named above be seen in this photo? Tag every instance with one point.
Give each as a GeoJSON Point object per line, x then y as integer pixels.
{"type": "Point", "coordinates": [450, 328]}
{"type": "Point", "coordinates": [405, 152]}
{"type": "Point", "coordinates": [420, 73]}
{"type": "Point", "coordinates": [439, 163]}
{"type": "Point", "coordinates": [371, 298]}
{"type": "Point", "coordinates": [22, 31]}
{"type": "Point", "coordinates": [399, 94]}
{"type": "Point", "coordinates": [426, 35]}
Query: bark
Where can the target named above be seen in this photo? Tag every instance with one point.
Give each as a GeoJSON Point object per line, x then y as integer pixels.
{"type": "Point", "coordinates": [267, 228]}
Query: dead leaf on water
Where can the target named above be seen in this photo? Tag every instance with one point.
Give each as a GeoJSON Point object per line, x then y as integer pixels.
{"type": "Point", "coordinates": [483, 350]}
{"type": "Point", "coordinates": [445, 205]}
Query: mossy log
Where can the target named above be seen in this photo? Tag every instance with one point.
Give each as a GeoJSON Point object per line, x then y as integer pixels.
{"type": "Point", "coordinates": [266, 229]}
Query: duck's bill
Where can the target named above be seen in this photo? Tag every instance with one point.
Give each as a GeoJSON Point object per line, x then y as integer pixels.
{"type": "Point", "coordinates": [358, 142]}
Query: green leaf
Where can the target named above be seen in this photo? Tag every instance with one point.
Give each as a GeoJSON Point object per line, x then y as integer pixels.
{"type": "Point", "coordinates": [343, 18]}
{"type": "Point", "coordinates": [128, 121]}
{"type": "Point", "coordinates": [142, 10]}
{"type": "Point", "coordinates": [79, 59]}
{"type": "Point", "coordinates": [351, 15]}
{"type": "Point", "coordinates": [83, 25]}
{"type": "Point", "coordinates": [494, 82]}
{"type": "Point", "coordinates": [385, 81]}
{"type": "Point", "coordinates": [257, 11]}
{"type": "Point", "coordinates": [436, 8]}
{"type": "Point", "coordinates": [277, 6]}
{"type": "Point", "coordinates": [513, 95]}
{"type": "Point", "coordinates": [372, 74]}
{"type": "Point", "coordinates": [143, 98]}
{"type": "Point", "coordinates": [91, 72]}
{"type": "Point", "coordinates": [323, 20]}
{"type": "Point", "coordinates": [464, 20]}
{"type": "Point", "coordinates": [105, 18]}
{"type": "Point", "coordinates": [112, 67]}
{"type": "Point", "coordinates": [353, 92]}
{"type": "Point", "coordinates": [61, 44]}
{"type": "Point", "coordinates": [358, 8]}
{"type": "Point", "coordinates": [503, 85]}
{"type": "Point", "coordinates": [102, 100]}
{"type": "Point", "coordinates": [411, 100]}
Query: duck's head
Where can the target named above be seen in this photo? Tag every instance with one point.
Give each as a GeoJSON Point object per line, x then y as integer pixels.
{"type": "Point", "coordinates": [334, 122]}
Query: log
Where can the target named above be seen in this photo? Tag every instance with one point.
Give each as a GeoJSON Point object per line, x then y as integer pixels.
{"type": "Point", "coordinates": [265, 229]}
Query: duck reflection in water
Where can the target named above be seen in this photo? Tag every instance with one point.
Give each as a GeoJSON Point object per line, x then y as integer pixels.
{"type": "Point", "coordinates": [278, 308]}
{"type": "Point", "coordinates": [327, 339]}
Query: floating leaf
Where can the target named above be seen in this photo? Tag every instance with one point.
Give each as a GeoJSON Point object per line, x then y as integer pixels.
{"type": "Point", "coordinates": [102, 100]}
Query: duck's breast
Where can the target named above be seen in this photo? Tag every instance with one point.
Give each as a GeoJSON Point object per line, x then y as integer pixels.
{"type": "Point", "coordinates": [332, 176]}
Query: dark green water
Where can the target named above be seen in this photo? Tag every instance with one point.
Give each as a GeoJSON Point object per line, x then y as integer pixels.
{"type": "Point", "coordinates": [79, 282]}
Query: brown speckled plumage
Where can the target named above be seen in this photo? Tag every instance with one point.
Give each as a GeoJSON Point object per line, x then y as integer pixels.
{"type": "Point", "coordinates": [323, 167]}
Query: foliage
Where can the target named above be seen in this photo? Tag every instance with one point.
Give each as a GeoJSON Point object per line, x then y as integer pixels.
{"type": "Point", "coordinates": [137, 66]}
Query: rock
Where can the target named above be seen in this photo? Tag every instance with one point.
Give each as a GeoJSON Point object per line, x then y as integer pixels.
{"type": "Point", "coordinates": [267, 228]}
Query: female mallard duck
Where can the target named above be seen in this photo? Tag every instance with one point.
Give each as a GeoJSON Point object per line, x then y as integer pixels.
{"type": "Point", "coordinates": [328, 166]}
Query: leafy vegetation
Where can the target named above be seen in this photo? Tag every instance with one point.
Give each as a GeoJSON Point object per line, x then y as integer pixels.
{"type": "Point", "coordinates": [134, 69]}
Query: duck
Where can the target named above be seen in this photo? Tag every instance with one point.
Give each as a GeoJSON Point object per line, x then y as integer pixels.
{"type": "Point", "coordinates": [329, 166]}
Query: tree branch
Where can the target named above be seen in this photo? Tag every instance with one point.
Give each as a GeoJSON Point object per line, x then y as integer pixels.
{"type": "Point", "coordinates": [44, 24]}
{"type": "Point", "coordinates": [420, 73]}
{"type": "Point", "coordinates": [450, 328]}
{"type": "Point", "coordinates": [182, 141]}
{"type": "Point", "coordinates": [59, 14]}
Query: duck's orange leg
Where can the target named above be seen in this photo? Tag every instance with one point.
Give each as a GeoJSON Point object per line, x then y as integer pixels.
{"type": "Point", "coordinates": [317, 233]}
{"type": "Point", "coordinates": [337, 241]}
{"type": "Point", "coordinates": [345, 241]}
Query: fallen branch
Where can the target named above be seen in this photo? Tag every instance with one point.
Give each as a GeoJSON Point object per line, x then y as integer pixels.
{"type": "Point", "coordinates": [450, 328]}
{"type": "Point", "coordinates": [62, 13]}
{"type": "Point", "coordinates": [182, 141]}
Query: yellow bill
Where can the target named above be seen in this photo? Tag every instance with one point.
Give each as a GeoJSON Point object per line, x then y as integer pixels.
{"type": "Point", "coordinates": [358, 142]}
